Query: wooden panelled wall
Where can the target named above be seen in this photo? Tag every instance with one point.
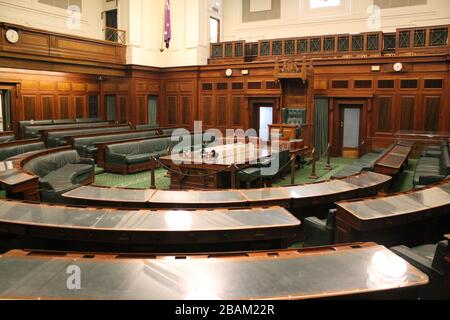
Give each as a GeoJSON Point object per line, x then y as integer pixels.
{"type": "Point", "coordinates": [414, 99]}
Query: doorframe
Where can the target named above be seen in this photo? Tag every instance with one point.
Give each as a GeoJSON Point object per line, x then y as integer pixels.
{"type": "Point", "coordinates": [14, 88]}
{"type": "Point", "coordinates": [336, 116]}
{"type": "Point", "coordinates": [254, 116]}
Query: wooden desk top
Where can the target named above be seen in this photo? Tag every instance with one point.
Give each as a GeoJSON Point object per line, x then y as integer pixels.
{"type": "Point", "coordinates": [367, 179]}
{"type": "Point", "coordinates": [200, 197]}
{"type": "Point", "coordinates": [284, 275]}
{"type": "Point", "coordinates": [15, 176]}
{"type": "Point", "coordinates": [396, 205]}
{"type": "Point", "coordinates": [395, 158]}
{"type": "Point", "coordinates": [226, 155]}
{"type": "Point", "coordinates": [321, 189]}
{"type": "Point", "coordinates": [12, 212]}
{"type": "Point", "coordinates": [235, 197]}
{"type": "Point", "coordinates": [111, 194]}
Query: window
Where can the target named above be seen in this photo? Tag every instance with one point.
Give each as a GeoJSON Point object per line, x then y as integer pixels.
{"type": "Point", "coordinates": [386, 4]}
{"type": "Point", "coordinates": [363, 84]}
{"type": "Point", "coordinates": [386, 84]}
{"type": "Point", "coordinates": [434, 84]}
{"type": "Point", "coordinates": [315, 4]}
{"type": "Point", "coordinates": [254, 85]}
{"type": "Point", "coordinates": [238, 85]}
{"type": "Point", "coordinates": [339, 84]}
{"type": "Point", "coordinates": [214, 30]}
{"type": "Point", "coordinates": [63, 4]}
{"type": "Point", "coordinates": [207, 86]}
{"type": "Point", "coordinates": [222, 86]}
{"type": "Point", "coordinates": [409, 84]}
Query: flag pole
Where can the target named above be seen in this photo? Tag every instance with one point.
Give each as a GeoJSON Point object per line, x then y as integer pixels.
{"type": "Point", "coordinates": [163, 27]}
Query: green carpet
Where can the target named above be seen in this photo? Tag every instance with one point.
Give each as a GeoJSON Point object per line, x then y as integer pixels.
{"type": "Point", "coordinates": [133, 181]}
{"type": "Point", "coordinates": [142, 180]}
{"type": "Point", "coordinates": [303, 174]}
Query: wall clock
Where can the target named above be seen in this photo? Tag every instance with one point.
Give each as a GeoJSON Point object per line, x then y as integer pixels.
{"type": "Point", "coordinates": [229, 72]}
{"type": "Point", "coordinates": [398, 67]}
{"type": "Point", "coordinates": [12, 36]}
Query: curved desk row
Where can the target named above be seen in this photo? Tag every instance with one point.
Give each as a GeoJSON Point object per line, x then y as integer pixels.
{"type": "Point", "coordinates": [363, 270]}
{"type": "Point", "coordinates": [382, 218]}
{"type": "Point", "coordinates": [156, 230]}
{"type": "Point", "coordinates": [295, 197]}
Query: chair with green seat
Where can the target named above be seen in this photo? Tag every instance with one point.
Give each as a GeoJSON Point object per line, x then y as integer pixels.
{"type": "Point", "coordinates": [249, 176]}
{"type": "Point", "coordinates": [320, 232]}
{"type": "Point", "coordinates": [282, 157]}
{"type": "Point", "coordinates": [430, 260]}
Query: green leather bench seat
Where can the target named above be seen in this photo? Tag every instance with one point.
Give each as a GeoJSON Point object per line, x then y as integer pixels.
{"type": "Point", "coordinates": [137, 152]}
{"type": "Point", "coordinates": [133, 156]}
{"type": "Point", "coordinates": [432, 169]}
{"type": "Point", "coordinates": [57, 139]}
{"type": "Point", "coordinates": [12, 151]}
{"type": "Point", "coordinates": [33, 132]}
{"type": "Point", "coordinates": [7, 138]}
{"type": "Point", "coordinates": [60, 172]}
{"type": "Point", "coordinates": [86, 146]}
{"type": "Point", "coordinates": [147, 126]}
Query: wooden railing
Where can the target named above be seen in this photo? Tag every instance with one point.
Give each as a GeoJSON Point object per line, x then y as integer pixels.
{"type": "Point", "coordinates": [115, 35]}
{"type": "Point", "coordinates": [370, 44]}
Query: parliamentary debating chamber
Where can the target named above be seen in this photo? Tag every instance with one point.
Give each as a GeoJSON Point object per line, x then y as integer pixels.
{"type": "Point", "coordinates": [224, 150]}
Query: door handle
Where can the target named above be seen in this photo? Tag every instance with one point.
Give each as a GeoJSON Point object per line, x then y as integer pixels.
{"type": "Point", "coordinates": [342, 124]}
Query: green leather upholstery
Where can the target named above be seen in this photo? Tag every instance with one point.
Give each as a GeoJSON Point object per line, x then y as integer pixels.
{"type": "Point", "coordinates": [7, 138]}
{"type": "Point", "coordinates": [432, 169]}
{"type": "Point", "coordinates": [60, 172]}
{"type": "Point", "coordinates": [146, 126]}
{"type": "Point", "coordinates": [33, 132]}
{"type": "Point", "coordinates": [320, 232]}
{"type": "Point", "coordinates": [86, 145]}
{"type": "Point", "coordinates": [249, 175]}
{"type": "Point", "coordinates": [57, 139]}
{"type": "Point", "coordinates": [12, 151]}
{"type": "Point", "coordinates": [137, 152]}
{"type": "Point", "coordinates": [429, 259]}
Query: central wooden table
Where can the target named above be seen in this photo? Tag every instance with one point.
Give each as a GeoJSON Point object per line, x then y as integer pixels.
{"type": "Point", "coordinates": [364, 270]}
{"type": "Point", "coordinates": [193, 172]}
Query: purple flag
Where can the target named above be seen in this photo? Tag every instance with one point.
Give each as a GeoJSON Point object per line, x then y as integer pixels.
{"type": "Point", "coordinates": [167, 26]}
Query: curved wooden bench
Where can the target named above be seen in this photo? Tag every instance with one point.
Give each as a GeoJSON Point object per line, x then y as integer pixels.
{"type": "Point", "coordinates": [296, 198]}
{"type": "Point", "coordinates": [395, 219]}
{"type": "Point", "coordinates": [364, 271]}
{"type": "Point", "coordinates": [188, 231]}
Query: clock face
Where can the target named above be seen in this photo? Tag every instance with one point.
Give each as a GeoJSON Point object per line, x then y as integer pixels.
{"type": "Point", "coordinates": [12, 36]}
{"type": "Point", "coordinates": [398, 67]}
{"type": "Point", "coordinates": [229, 72]}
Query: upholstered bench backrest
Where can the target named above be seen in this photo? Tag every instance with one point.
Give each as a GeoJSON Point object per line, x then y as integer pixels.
{"type": "Point", "coordinates": [42, 166]}
{"type": "Point", "coordinates": [12, 151]}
